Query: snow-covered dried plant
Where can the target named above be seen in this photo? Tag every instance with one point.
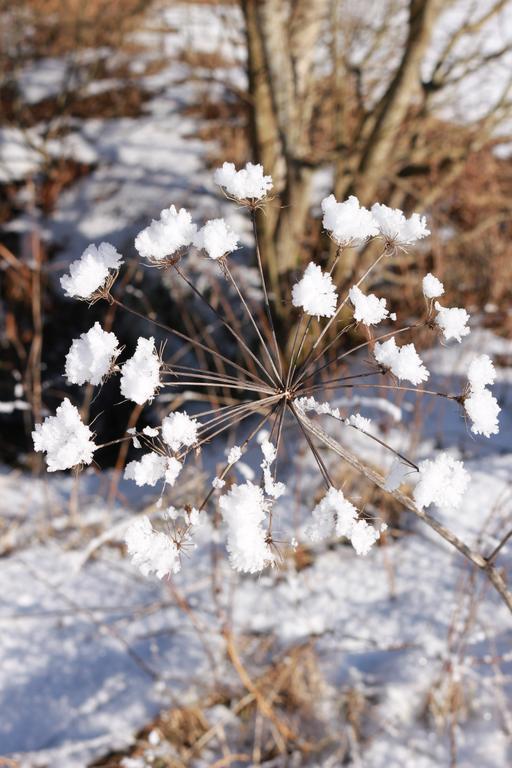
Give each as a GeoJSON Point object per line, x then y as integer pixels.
{"type": "Point", "coordinates": [279, 385]}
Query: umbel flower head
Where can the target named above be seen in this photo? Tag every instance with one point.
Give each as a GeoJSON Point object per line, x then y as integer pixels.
{"type": "Point", "coordinates": [274, 390]}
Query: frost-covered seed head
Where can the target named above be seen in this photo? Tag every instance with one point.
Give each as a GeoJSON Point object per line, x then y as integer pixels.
{"type": "Point", "coordinates": [64, 438]}
{"type": "Point", "coordinates": [432, 287]}
{"type": "Point", "coordinates": [442, 481]}
{"type": "Point", "coordinates": [315, 293]}
{"type": "Point", "coordinates": [481, 372]}
{"type": "Point", "coordinates": [452, 321]}
{"type": "Point", "coordinates": [140, 375]}
{"type": "Point", "coordinates": [90, 273]}
{"type": "Point", "coordinates": [396, 228]}
{"type": "Point", "coordinates": [244, 510]}
{"type": "Point", "coordinates": [179, 429]}
{"type": "Point", "coordinates": [369, 310]}
{"type": "Point", "coordinates": [404, 362]}
{"type": "Point", "coordinates": [348, 223]}
{"type": "Point", "coordinates": [482, 408]}
{"type": "Point", "coordinates": [166, 235]}
{"type": "Point", "coordinates": [91, 357]}
{"type": "Point", "coordinates": [216, 238]}
{"type": "Point", "coordinates": [248, 183]}
{"type": "Point", "coordinates": [148, 470]}
{"type": "Point", "coordinates": [151, 551]}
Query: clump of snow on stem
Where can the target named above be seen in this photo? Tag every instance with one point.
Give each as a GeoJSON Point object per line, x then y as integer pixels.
{"type": "Point", "coordinates": [311, 405]}
{"type": "Point", "coordinates": [335, 513]}
{"type": "Point", "coordinates": [248, 183]}
{"type": "Point", "coordinates": [90, 272]}
{"type": "Point", "coordinates": [179, 429]}
{"type": "Point", "coordinates": [452, 321]}
{"type": "Point", "coordinates": [315, 292]}
{"type": "Point", "coordinates": [442, 481]}
{"type": "Point", "coordinates": [234, 454]}
{"type": "Point", "coordinates": [348, 223]}
{"type": "Point", "coordinates": [396, 228]}
{"type": "Point", "coordinates": [432, 287]}
{"type": "Point", "coordinates": [90, 357]}
{"type": "Point", "coordinates": [148, 470]}
{"type": "Point", "coordinates": [140, 375]}
{"type": "Point", "coordinates": [269, 456]}
{"type": "Point", "coordinates": [166, 235]}
{"type": "Point", "coordinates": [244, 509]}
{"type": "Point", "coordinates": [216, 238]}
{"type": "Point", "coordinates": [479, 403]}
{"type": "Point", "coordinates": [151, 551]}
{"type": "Point", "coordinates": [404, 362]}
{"type": "Point", "coordinates": [65, 439]}
{"type": "Point", "coordinates": [359, 422]}
{"type": "Point", "coordinates": [369, 310]}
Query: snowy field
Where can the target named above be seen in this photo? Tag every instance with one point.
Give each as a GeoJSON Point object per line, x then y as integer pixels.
{"type": "Point", "coordinates": [388, 648]}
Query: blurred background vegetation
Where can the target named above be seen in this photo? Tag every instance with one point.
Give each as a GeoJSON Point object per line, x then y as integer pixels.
{"type": "Point", "coordinates": [403, 101]}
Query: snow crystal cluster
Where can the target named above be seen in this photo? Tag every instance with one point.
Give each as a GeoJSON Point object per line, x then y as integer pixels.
{"type": "Point", "coordinates": [351, 224]}
{"type": "Point", "coordinates": [151, 468]}
{"type": "Point", "coordinates": [244, 509]}
{"type": "Point", "coordinates": [65, 439]}
{"type": "Point", "coordinates": [216, 238]}
{"type": "Point", "coordinates": [335, 514]}
{"type": "Point", "coordinates": [166, 235]}
{"type": "Point", "coordinates": [480, 404]}
{"type": "Point", "coordinates": [91, 357]}
{"type": "Point", "coordinates": [315, 292]}
{"type": "Point", "coordinates": [272, 488]}
{"type": "Point", "coordinates": [395, 228]}
{"type": "Point", "coordinates": [249, 183]}
{"type": "Point", "coordinates": [369, 310]}
{"type": "Point", "coordinates": [442, 481]}
{"type": "Point", "coordinates": [151, 551]}
{"type": "Point", "coordinates": [452, 321]}
{"type": "Point", "coordinates": [404, 362]}
{"type": "Point", "coordinates": [348, 223]}
{"type": "Point", "coordinates": [90, 272]}
{"type": "Point", "coordinates": [432, 287]}
{"type": "Point", "coordinates": [179, 429]}
{"type": "Point", "coordinates": [140, 375]}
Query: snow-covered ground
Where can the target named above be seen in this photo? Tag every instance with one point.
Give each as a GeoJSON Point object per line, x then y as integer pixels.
{"type": "Point", "coordinates": [90, 650]}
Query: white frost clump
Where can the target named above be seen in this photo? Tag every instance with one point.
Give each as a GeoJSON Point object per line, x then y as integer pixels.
{"type": "Point", "coordinates": [359, 422]}
{"type": "Point", "coordinates": [234, 454]}
{"type": "Point", "coordinates": [483, 409]}
{"type": "Point", "coordinates": [140, 375]}
{"type": "Point", "coordinates": [309, 404]}
{"type": "Point", "coordinates": [481, 372]}
{"type": "Point", "coordinates": [269, 456]}
{"type": "Point", "coordinates": [164, 236]}
{"type": "Point", "coordinates": [172, 471]}
{"type": "Point", "coordinates": [452, 321]}
{"type": "Point", "coordinates": [442, 481]}
{"type": "Point", "coordinates": [369, 310]}
{"type": "Point", "coordinates": [249, 183]}
{"type": "Point", "coordinates": [151, 551]}
{"type": "Point", "coordinates": [315, 292]}
{"type": "Point", "coordinates": [395, 228]}
{"type": "Point", "coordinates": [348, 223]}
{"type": "Point", "coordinates": [244, 509]}
{"type": "Point", "coordinates": [148, 471]}
{"type": "Point", "coordinates": [480, 404]}
{"type": "Point", "coordinates": [90, 272]}
{"type": "Point", "coordinates": [335, 513]}
{"type": "Point", "coordinates": [179, 429]}
{"type": "Point", "coordinates": [66, 441]}
{"type": "Point", "coordinates": [216, 238]}
{"type": "Point", "coordinates": [403, 361]}
{"type": "Point", "coordinates": [90, 357]}
{"type": "Point", "coordinates": [432, 287]}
